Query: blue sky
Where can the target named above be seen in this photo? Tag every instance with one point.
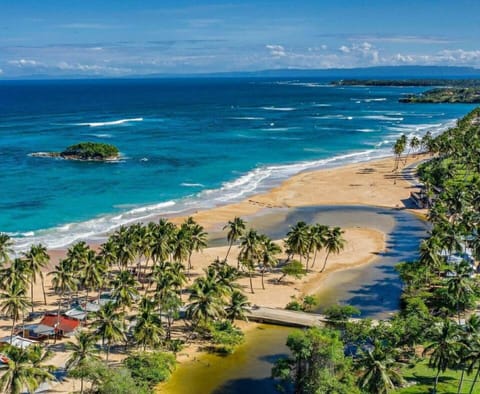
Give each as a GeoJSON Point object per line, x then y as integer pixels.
{"type": "Point", "coordinates": [127, 37]}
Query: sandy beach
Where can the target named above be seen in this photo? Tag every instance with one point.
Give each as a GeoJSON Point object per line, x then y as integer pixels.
{"type": "Point", "coordinates": [369, 183]}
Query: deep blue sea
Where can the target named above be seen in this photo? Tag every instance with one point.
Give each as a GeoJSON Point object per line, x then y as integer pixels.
{"type": "Point", "coordinates": [186, 144]}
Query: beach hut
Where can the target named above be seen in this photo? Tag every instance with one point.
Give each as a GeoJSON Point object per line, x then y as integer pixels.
{"type": "Point", "coordinates": [37, 331]}
{"type": "Point", "coordinates": [16, 341]}
{"type": "Point", "coordinates": [62, 325]}
{"type": "Point", "coordinates": [80, 311]}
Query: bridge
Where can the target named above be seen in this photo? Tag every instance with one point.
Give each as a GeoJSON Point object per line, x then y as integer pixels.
{"type": "Point", "coordinates": [285, 317]}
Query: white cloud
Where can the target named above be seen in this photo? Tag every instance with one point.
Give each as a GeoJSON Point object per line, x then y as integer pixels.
{"type": "Point", "coordinates": [364, 50]}
{"type": "Point", "coordinates": [344, 49]}
{"type": "Point", "coordinates": [25, 63]}
{"type": "Point", "coordinates": [276, 50]}
{"type": "Point", "coordinates": [1, 71]}
{"type": "Point", "coordinates": [90, 68]}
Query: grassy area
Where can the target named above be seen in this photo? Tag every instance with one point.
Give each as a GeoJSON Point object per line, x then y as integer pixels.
{"type": "Point", "coordinates": [448, 382]}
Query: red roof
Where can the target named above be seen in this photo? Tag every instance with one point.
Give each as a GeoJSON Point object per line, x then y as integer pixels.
{"type": "Point", "coordinates": [65, 324]}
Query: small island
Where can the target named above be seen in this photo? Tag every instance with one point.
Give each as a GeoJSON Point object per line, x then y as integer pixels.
{"type": "Point", "coordinates": [85, 151]}
{"type": "Point", "coordinates": [445, 95]}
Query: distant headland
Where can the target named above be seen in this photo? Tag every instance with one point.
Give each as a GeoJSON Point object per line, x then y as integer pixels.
{"type": "Point", "coordinates": [84, 151]}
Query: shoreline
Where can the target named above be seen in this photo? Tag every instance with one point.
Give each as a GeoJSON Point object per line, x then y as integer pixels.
{"type": "Point", "coordinates": [373, 185]}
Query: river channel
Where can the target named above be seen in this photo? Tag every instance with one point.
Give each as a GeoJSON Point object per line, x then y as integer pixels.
{"type": "Point", "coordinates": [373, 288]}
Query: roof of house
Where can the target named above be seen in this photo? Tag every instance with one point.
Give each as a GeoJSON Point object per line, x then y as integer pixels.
{"type": "Point", "coordinates": [17, 341]}
{"type": "Point", "coordinates": [80, 311]}
{"type": "Point", "coordinates": [40, 329]}
{"type": "Point", "coordinates": [61, 323]}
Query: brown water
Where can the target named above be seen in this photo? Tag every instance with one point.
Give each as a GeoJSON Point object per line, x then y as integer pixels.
{"type": "Point", "coordinates": [374, 288]}
{"type": "Point", "coordinates": [210, 373]}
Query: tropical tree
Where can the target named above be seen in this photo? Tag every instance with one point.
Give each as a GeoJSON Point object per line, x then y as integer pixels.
{"type": "Point", "coordinates": [267, 258]}
{"type": "Point", "coordinates": [63, 280]}
{"type": "Point", "coordinates": [334, 243]}
{"type": "Point", "coordinates": [197, 238]}
{"type": "Point", "coordinates": [380, 373]}
{"type": "Point", "coordinates": [148, 329]}
{"type": "Point", "coordinates": [460, 287]}
{"type": "Point", "coordinates": [83, 352]}
{"type": "Point", "coordinates": [124, 290]}
{"type": "Point", "coordinates": [93, 274]}
{"type": "Point", "coordinates": [36, 259]}
{"type": "Point", "coordinates": [250, 252]}
{"type": "Point", "coordinates": [23, 370]}
{"type": "Point", "coordinates": [444, 348]}
{"type": "Point", "coordinates": [294, 268]}
{"type": "Point", "coordinates": [236, 229]}
{"type": "Point", "coordinates": [237, 307]}
{"type": "Point", "coordinates": [317, 236]}
{"type": "Point", "coordinates": [206, 300]}
{"type": "Point", "coordinates": [109, 326]}
{"type": "Point", "coordinates": [298, 241]}
{"type": "Point", "coordinates": [6, 244]}
{"type": "Point", "coordinates": [14, 302]}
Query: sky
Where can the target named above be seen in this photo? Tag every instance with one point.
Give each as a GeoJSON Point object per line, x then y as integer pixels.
{"type": "Point", "coordinates": [129, 37]}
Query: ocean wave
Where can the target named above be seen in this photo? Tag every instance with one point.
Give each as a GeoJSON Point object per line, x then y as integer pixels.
{"type": "Point", "coordinates": [271, 108]}
{"type": "Point", "coordinates": [321, 105]}
{"type": "Point", "coordinates": [246, 118]}
{"type": "Point", "coordinates": [255, 181]}
{"type": "Point", "coordinates": [109, 123]}
{"type": "Point", "coordinates": [381, 117]}
{"type": "Point", "coordinates": [368, 100]}
{"type": "Point", "coordinates": [100, 135]}
{"type": "Point", "coordinates": [366, 130]}
{"type": "Point", "coordinates": [340, 117]}
{"type": "Point", "coordinates": [186, 184]}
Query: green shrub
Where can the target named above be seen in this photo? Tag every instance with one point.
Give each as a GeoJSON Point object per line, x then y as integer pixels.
{"type": "Point", "coordinates": [226, 336]}
{"type": "Point", "coordinates": [150, 368]}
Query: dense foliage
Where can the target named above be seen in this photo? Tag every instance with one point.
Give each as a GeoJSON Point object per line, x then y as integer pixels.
{"type": "Point", "coordinates": [445, 95]}
{"type": "Point", "coordinates": [91, 151]}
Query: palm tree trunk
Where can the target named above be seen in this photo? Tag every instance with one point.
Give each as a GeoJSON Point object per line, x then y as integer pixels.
{"type": "Point", "coordinates": [279, 279]}
{"type": "Point", "coordinates": [306, 266]}
{"type": "Point", "coordinates": [81, 385]}
{"type": "Point", "coordinates": [31, 294]}
{"type": "Point", "coordinates": [228, 251]}
{"type": "Point", "coordinates": [43, 290]}
{"type": "Point", "coordinates": [263, 285]}
{"type": "Point", "coordinates": [314, 257]}
{"type": "Point", "coordinates": [474, 380]}
{"type": "Point", "coordinates": [251, 284]}
{"type": "Point", "coordinates": [435, 383]}
{"type": "Point", "coordinates": [325, 262]}
{"type": "Point", "coordinates": [461, 381]}
{"type": "Point", "coordinates": [13, 328]}
{"type": "Point", "coordinates": [108, 352]}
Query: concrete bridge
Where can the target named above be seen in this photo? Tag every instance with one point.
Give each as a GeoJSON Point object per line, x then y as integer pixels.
{"type": "Point", "coordinates": [284, 317]}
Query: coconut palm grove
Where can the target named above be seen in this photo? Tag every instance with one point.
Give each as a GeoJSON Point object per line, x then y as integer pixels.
{"type": "Point", "coordinates": [124, 310]}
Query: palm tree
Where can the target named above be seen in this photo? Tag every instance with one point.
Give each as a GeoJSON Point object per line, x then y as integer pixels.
{"type": "Point", "coordinates": [250, 252]}
{"type": "Point", "coordinates": [297, 241]}
{"type": "Point", "coordinates": [460, 287]}
{"type": "Point", "coordinates": [63, 280]}
{"type": "Point", "coordinates": [124, 290]}
{"type": "Point", "coordinates": [37, 258]}
{"type": "Point", "coordinates": [18, 272]}
{"type": "Point", "coordinates": [334, 243]}
{"type": "Point", "coordinates": [6, 244]}
{"type": "Point", "coordinates": [23, 371]}
{"type": "Point", "coordinates": [444, 348]}
{"type": "Point", "coordinates": [237, 307]}
{"type": "Point", "coordinates": [197, 238]}
{"type": "Point", "coordinates": [430, 249]}
{"type": "Point", "coordinates": [14, 302]}
{"type": "Point", "coordinates": [380, 371]}
{"type": "Point", "coordinates": [93, 274]}
{"type": "Point", "coordinates": [83, 352]}
{"type": "Point", "coordinates": [236, 229]}
{"type": "Point", "coordinates": [317, 235]}
{"type": "Point", "coordinates": [206, 301]}
{"type": "Point", "coordinates": [148, 329]}
{"type": "Point", "coordinates": [268, 251]}
{"type": "Point", "coordinates": [109, 326]}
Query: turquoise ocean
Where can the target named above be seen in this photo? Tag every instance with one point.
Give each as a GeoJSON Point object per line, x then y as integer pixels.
{"type": "Point", "coordinates": [186, 144]}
